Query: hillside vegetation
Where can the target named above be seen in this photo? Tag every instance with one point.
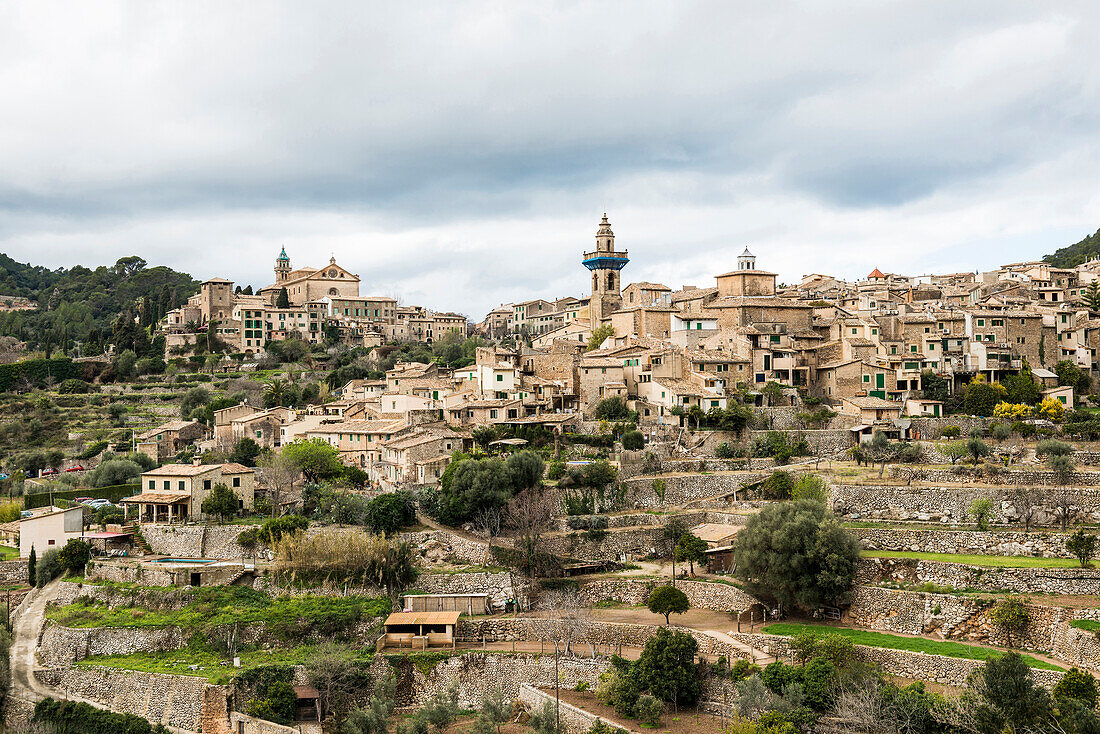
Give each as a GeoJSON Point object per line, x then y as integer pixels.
{"type": "Point", "coordinates": [1075, 254]}
{"type": "Point", "coordinates": [82, 305]}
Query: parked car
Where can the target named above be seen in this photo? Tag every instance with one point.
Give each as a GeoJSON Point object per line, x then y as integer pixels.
{"type": "Point", "coordinates": [99, 503]}
{"type": "Point", "coordinates": [48, 472]}
{"type": "Point", "coordinates": [78, 467]}
{"type": "Point", "coordinates": [26, 513]}
{"type": "Point", "coordinates": [83, 500]}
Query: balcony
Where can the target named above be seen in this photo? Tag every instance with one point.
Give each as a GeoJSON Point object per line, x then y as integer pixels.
{"type": "Point", "coordinates": [609, 260]}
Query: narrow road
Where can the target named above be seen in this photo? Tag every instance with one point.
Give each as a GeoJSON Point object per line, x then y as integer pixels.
{"type": "Point", "coordinates": [24, 645]}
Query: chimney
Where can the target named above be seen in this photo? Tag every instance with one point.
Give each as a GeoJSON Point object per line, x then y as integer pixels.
{"type": "Point", "coordinates": [196, 462]}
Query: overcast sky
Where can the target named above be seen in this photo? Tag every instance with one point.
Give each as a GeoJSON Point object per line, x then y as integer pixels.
{"type": "Point", "coordinates": [460, 154]}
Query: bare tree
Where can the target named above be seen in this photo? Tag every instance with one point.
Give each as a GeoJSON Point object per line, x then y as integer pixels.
{"type": "Point", "coordinates": [865, 709]}
{"type": "Point", "coordinates": [280, 475]}
{"type": "Point", "coordinates": [1063, 500]}
{"type": "Point", "coordinates": [567, 618]}
{"type": "Point", "coordinates": [529, 515]}
{"type": "Point", "coordinates": [1027, 500]}
{"type": "Point", "coordinates": [487, 523]}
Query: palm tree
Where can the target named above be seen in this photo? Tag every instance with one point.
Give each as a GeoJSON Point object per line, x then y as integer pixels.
{"type": "Point", "coordinates": [276, 390]}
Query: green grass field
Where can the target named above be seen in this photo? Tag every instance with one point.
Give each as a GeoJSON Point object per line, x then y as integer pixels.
{"type": "Point", "coordinates": [988, 561]}
{"type": "Point", "coordinates": [1088, 625]}
{"type": "Point", "coordinates": [208, 664]}
{"type": "Point", "coordinates": [897, 642]}
{"type": "Point", "coordinates": [8, 554]}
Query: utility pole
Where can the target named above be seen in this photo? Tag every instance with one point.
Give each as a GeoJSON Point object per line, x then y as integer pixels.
{"type": "Point", "coordinates": [557, 692]}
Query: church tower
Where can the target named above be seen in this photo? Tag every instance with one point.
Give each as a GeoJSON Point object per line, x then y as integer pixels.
{"type": "Point", "coordinates": [605, 263]}
{"type": "Point", "coordinates": [282, 267]}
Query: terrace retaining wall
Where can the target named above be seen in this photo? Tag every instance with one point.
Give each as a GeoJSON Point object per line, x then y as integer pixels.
{"type": "Point", "coordinates": [987, 543]}
{"type": "Point", "coordinates": [1077, 581]}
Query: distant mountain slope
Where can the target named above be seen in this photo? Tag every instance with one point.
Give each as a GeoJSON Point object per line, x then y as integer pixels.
{"type": "Point", "coordinates": [81, 305]}
{"type": "Point", "coordinates": [1074, 255]}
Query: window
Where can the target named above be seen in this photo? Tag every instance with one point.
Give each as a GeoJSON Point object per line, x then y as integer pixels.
{"type": "Point", "coordinates": [181, 484]}
{"type": "Point", "coordinates": [205, 484]}
{"type": "Point", "coordinates": [236, 481]}
{"type": "Point", "coordinates": [51, 541]}
{"type": "Point", "coordinates": [931, 346]}
{"type": "Point", "coordinates": [853, 330]}
{"type": "Point", "coordinates": [152, 484]}
{"type": "Point", "coordinates": [492, 414]}
{"type": "Point", "coordinates": [167, 484]}
{"type": "Point", "coordinates": [866, 378]}
{"type": "Point", "coordinates": [998, 322]}
{"type": "Point", "coordinates": [981, 322]}
{"type": "Point", "coordinates": [893, 350]}
{"type": "Point", "coordinates": [500, 378]}
{"type": "Point", "coordinates": [913, 348]}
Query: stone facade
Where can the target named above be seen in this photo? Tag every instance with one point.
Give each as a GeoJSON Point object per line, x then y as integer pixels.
{"type": "Point", "coordinates": [498, 585]}
{"type": "Point", "coordinates": [610, 545]}
{"type": "Point", "coordinates": [988, 543]}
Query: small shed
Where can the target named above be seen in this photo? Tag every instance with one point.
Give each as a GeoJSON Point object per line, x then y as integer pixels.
{"type": "Point", "coordinates": [720, 559]}
{"type": "Point", "coordinates": [421, 629]}
{"type": "Point", "coordinates": [715, 534]}
{"type": "Point", "coordinates": [307, 705]}
{"type": "Point", "coordinates": [469, 604]}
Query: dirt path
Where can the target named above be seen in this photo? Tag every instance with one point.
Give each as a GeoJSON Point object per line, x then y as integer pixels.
{"type": "Point", "coordinates": [24, 652]}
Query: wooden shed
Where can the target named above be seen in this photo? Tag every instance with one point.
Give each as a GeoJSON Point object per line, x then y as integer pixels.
{"type": "Point", "coordinates": [421, 629]}
{"type": "Point", "coordinates": [469, 604]}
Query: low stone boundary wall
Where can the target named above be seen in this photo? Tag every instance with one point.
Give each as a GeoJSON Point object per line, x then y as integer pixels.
{"type": "Point", "coordinates": [701, 594]}
{"type": "Point", "coordinates": [60, 647]}
{"type": "Point", "coordinates": [988, 543]}
{"type": "Point", "coordinates": [573, 720]}
{"type": "Point", "coordinates": [1085, 581]}
{"type": "Point", "coordinates": [243, 724]}
{"type": "Point", "coordinates": [174, 700]}
{"type": "Point", "coordinates": [128, 572]}
{"type": "Point", "coordinates": [916, 665]}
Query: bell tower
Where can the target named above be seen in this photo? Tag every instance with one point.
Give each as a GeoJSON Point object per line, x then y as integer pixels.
{"type": "Point", "coordinates": [605, 263]}
{"type": "Point", "coordinates": [282, 267]}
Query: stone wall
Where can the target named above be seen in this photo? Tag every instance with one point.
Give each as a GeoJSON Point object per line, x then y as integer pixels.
{"type": "Point", "coordinates": [914, 665]}
{"type": "Point", "coordinates": [959, 576]}
{"type": "Point", "coordinates": [173, 700]}
{"type": "Point", "coordinates": [573, 720]}
{"type": "Point", "coordinates": [13, 572]}
{"type": "Point", "coordinates": [608, 545]}
{"type": "Point", "coordinates": [931, 427]}
{"type": "Point", "coordinates": [684, 488]}
{"type": "Point", "coordinates": [445, 545]}
{"type": "Point", "coordinates": [964, 473]}
{"type": "Point", "coordinates": [196, 541]}
{"type": "Point", "coordinates": [951, 617]}
{"type": "Point", "coordinates": [988, 543]}
{"type": "Point", "coordinates": [129, 572]}
{"type": "Point", "coordinates": [945, 504]}
{"type": "Point", "coordinates": [602, 635]}
{"type": "Point", "coordinates": [60, 647]}
{"type": "Point", "coordinates": [245, 724]}
{"type": "Point", "coordinates": [823, 442]}
{"type": "Point", "coordinates": [702, 595]}
{"type": "Point", "coordinates": [497, 585]}
{"type": "Point", "coordinates": [477, 672]}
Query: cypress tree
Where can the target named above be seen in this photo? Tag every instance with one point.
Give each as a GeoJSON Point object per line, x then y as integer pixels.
{"type": "Point", "coordinates": [30, 566]}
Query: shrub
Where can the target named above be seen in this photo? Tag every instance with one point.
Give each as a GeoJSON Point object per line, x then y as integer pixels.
{"type": "Point", "coordinates": [778, 486]}
{"type": "Point", "coordinates": [950, 431]}
{"type": "Point", "coordinates": [666, 667]}
{"type": "Point", "coordinates": [75, 555]}
{"type": "Point", "coordinates": [72, 717]}
{"type": "Point", "coordinates": [1078, 685]}
{"type": "Point", "coordinates": [1053, 447]}
{"type": "Point", "coordinates": [648, 709]}
{"type": "Point", "coordinates": [981, 509]}
{"type": "Point", "coordinates": [633, 441]}
{"type": "Point", "coordinates": [612, 408]}
{"type": "Point", "coordinates": [48, 568]}
{"type": "Point", "coordinates": [556, 470]}
{"type": "Point", "coordinates": [74, 386]}
{"type": "Point", "coordinates": [810, 487]}
{"type": "Point", "coordinates": [1011, 617]}
{"type": "Point", "coordinates": [725, 451]}
{"type": "Point", "coordinates": [388, 513]}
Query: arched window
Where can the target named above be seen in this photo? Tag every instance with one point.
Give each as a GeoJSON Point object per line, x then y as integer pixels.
{"type": "Point", "coordinates": [332, 291]}
{"type": "Point", "coordinates": [595, 282]}
{"type": "Point", "coordinates": [611, 281]}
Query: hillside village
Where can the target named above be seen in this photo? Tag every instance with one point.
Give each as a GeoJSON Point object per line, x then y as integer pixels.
{"type": "Point", "coordinates": [743, 507]}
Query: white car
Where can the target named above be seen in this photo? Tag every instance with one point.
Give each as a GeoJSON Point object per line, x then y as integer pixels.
{"type": "Point", "coordinates": [99, 503]}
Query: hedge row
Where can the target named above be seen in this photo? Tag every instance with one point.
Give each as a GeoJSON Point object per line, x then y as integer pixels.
{"type": "Point", "coordinates": [113, 493]}
{"type": "Point", "coordinates": [38, 371]}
